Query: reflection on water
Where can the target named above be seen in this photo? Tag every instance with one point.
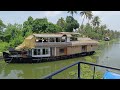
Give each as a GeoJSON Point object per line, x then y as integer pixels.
{"type": "Point", "coordinates": [32, 71]}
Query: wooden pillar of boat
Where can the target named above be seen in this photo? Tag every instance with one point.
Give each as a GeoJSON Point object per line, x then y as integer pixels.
{"type": "Point", "coordinates": [55, 51]}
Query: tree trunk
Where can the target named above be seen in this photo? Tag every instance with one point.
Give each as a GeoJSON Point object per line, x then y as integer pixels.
{"type": "Point", "coordinates": [83, 20]}
{"type": "Point", "coordinates": [88, 21]}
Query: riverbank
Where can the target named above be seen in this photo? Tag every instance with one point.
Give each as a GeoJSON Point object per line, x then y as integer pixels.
{"type": "Point", "coordinates": [102, 45]}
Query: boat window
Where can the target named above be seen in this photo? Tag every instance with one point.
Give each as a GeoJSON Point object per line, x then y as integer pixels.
{"type": "Point", "coordinates": [46, 51]}
{"type": "Point", "coordinates": [61, 50]}
{"type": "Point", "coordinates": [40, 40]}
{"type": "Point", "coordinates": [43, 52]}
{"type": "Point", "coordinates": [63, 39]}
{"type": "Point", "coordinates": [35, 51]}
{"type": "Point", "coordinates": [29, 52]}
{"type": "Point", "coordinates": [57, 39]}
{"type": "Point", "coordinates": [84, 48]}
{"type": "Point", "coordinates": [52, 40]}
{"type": "Point", "coordinates": [39, 52]}
{"type": "Point", "coordinates": [45, 39]}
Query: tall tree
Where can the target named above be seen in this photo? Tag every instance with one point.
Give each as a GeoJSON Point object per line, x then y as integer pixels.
{"type": "Point", "coordinates": [61, 22]}
{"type": "Point", "coordinates": [71, 24]}
{"type": "Point", "coordinates": [86, 14]}
{"type": "Point", "coordinates": [96, 21]}
{"type": "Point", "coordinates": [72, 12]}
{"type": "Point", "coordinates": [103, 28]}
{"type": "Point", "coordinates": [90, 16]}
{"type": "Point", "coordinates": [28, 26]}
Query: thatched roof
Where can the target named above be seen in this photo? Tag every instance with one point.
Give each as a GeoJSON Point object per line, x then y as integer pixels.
{"type": "Point", "coordinates": [84, 41]}
{"type": "Point", "coordinates": [50, 35]}
{"type": "Point", "coordinates": [74, 43]}
{"type": "Point", "coordinates": [29, 37]}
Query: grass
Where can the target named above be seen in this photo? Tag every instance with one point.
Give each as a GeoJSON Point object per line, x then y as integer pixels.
{"type": "Point", "coordinates": [2, 61]}
{"type": "Point", "coordinates": [0, 53]}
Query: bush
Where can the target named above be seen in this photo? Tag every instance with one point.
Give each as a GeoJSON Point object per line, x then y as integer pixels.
{"type": "Point", "coordinates": [3, 46]}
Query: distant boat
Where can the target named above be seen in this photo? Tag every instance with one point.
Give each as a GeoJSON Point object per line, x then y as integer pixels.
{"type": "Point", "coordinates": [107, 39]}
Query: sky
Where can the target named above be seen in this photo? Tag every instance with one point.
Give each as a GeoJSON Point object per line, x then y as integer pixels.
{"type": "Point", "coordinates": [110, 18]}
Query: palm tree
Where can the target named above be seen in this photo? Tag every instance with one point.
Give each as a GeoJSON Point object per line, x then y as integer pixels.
{"type": "Point", "coordinates": [90, 16]}
{"type": "Point", "coordinates": [103, 28]}
{"type": "Point", "coordinates": [72, 12]}
{"type": "Point", "coordinates": [84, 14]}
{"type": "Point", "coordinates": [96, 21]}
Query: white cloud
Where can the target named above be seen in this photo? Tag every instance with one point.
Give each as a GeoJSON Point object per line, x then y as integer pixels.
{"type": "Point", "coordinates": [52, 13]}
{"type": "Point", "coordinates": [97, 12]}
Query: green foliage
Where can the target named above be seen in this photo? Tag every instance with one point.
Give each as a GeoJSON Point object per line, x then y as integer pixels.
{"type": "Point", "coordinates": [53, 28]}
{"type": "Point", "coordinates": [62, 23]}
{"type": "Point", "coordinates": [90, 59]}
{"type": "Point", "coordinates": [39, 25]}
{"type": "Point", "coordinates": [98, 33]}
{"type": "Point", "coordinates": [14, 35]}
{"type": "Point", "coordinates": [2, 26]}
{"type": "Point", "coordinates": [3, 46]}
{"type": "Point", "coordinates": [27, 27]}
{"type": "Point", "coordinates": [71, 24]}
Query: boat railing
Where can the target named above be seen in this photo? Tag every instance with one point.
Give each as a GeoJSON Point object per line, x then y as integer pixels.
{"type": "Point", "coordinates": [52, 43]}
{"type": "Point", "coordinates": [79, 69]}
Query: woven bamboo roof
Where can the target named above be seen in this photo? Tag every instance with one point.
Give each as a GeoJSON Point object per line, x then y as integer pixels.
{"type": "Point", "coordinates": [30, 37]}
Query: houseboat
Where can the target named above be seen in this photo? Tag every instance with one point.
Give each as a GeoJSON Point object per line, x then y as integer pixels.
{"type": "Point", "coordinates": [51, 47]}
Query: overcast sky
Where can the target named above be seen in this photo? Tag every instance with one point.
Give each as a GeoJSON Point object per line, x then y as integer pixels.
{"type": "Point", "coordinates": [110, 18]}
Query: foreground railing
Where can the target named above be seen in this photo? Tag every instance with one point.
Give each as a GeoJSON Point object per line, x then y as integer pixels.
{"type": "Point", "coordinates": [79, 69]}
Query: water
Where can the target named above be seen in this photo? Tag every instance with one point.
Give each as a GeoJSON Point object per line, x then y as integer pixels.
{"type": "Point", "coordinates": [34, 71]}
{"type": "Point", "coordinates": [110, 57]}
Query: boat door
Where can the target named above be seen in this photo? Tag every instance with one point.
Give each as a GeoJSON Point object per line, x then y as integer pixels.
{"type": "Point", "coordinates": [84, 48]}
{"type": "Point", "coordinates": [65, 51]}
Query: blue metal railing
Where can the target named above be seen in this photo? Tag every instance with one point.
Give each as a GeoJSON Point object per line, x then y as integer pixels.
{"type": "Point", "coordinates": [79, 69]}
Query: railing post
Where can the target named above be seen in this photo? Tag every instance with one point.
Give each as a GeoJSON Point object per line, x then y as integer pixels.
{"type": "Point", "coordinates": [94, 72]}
{"type": "Point", "coordinates": [50, 77]}
{"type": "Point", "coordinates": [79, 70]}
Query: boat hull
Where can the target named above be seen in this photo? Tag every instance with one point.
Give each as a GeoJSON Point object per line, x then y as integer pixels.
{"type": "Point", "coordinates": [42, 59]}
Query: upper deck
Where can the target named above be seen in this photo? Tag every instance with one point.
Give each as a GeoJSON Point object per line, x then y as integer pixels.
{"type": "Point", "coordinates": [62, 39]}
